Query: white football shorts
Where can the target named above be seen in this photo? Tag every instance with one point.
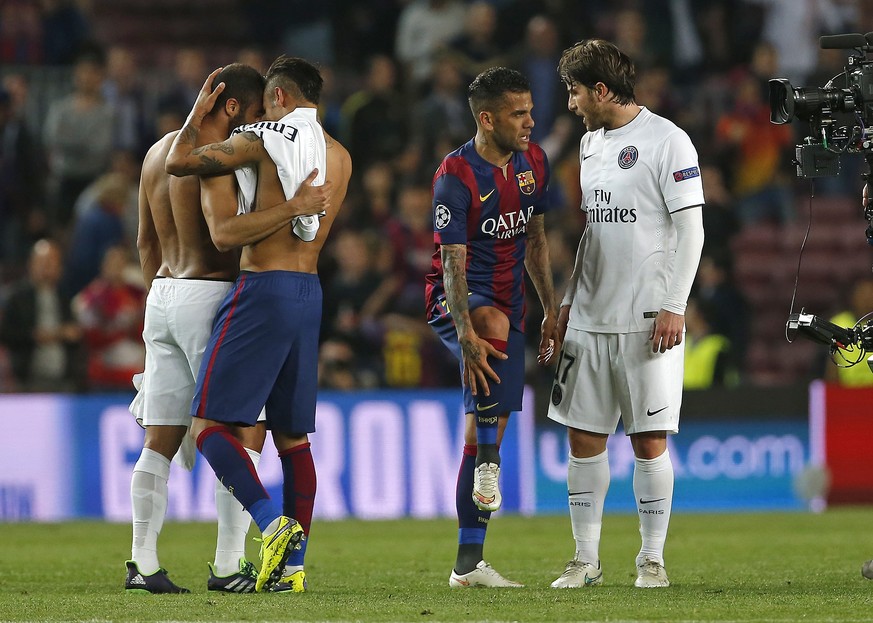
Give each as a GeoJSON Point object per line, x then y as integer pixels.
{"type": "Point", "coordinates": [602, 377]}
{"type": "Point", "coordinates": [178, 323]}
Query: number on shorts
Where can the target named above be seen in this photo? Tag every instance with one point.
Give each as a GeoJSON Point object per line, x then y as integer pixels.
{"type": "Point", "coordinates": [561, 376]}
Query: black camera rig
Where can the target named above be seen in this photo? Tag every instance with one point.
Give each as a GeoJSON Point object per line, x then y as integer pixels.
{"type": "Point", "coordinates": [851, 91]}
{"type": "Point", "coordinates": [855, 341]}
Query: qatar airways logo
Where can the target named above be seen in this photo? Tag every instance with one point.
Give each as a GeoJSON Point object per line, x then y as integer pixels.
{"type": "Point", "coordinates": [509, 225]}
{"type": "Point", "coordinates": [609, 214]}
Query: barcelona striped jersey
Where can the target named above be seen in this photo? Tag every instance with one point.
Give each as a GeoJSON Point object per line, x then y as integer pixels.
{"type": "Point", "coordinates": [487, 208]}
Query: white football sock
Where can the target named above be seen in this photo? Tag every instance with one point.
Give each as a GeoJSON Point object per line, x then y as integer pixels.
{"type": "Point", "coordinates": [587, 484]}
{"type": "Point", "coordinates": [233, 526]}
{"type": "Point", "coordinates": [148, 496]}
{"type": "Point", "coordinates": [653, 488]}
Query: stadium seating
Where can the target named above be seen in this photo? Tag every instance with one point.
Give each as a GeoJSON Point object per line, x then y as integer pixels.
{"type": "Point", "coordinates": [766, 256]}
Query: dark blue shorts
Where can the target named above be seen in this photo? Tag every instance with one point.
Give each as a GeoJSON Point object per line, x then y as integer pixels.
{"type": "Point", "coordinates": [264, 352]}
{"type": "Point", "coordinates": [510, 390]}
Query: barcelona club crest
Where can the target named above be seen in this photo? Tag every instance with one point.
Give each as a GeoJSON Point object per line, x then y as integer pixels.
{"type": "Point", "coordinates": [526, 182]}
{"type": "Point", "coordinates": [627, 157]}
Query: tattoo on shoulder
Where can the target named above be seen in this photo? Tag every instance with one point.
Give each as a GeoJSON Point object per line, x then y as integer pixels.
{"type": "Point", "coordinates": [250, 136]}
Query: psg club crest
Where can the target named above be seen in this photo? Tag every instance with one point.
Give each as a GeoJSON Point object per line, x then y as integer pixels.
{"type": "Point", "coordinates": [557, 394]}
{"type": "Point", "coordinates": [526, 182]}
{"type": "Point", "coordinates": [627, 157]}
{"type": "Point", "coordinates": [441, 216]}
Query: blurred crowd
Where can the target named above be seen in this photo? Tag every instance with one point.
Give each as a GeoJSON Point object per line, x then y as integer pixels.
{"type": "Point", "coordinates": [396, 71]}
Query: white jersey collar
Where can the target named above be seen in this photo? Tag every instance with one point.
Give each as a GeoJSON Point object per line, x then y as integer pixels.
{"type": "Point", "coordinates": [630, 125]}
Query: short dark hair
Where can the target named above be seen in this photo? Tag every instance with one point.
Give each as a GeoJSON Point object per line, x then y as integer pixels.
{"type": "Point", "coordinates": [242, 83]}
{"type": "Point", "coordinates": [297, 76]}
{"type": "Point", "coordinates": [595, 60]}
{"type": "Point", "coordinates": [488, 89]}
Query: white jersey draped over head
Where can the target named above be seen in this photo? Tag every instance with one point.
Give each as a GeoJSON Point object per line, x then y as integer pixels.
{"type": "Point", "coordinates": [296, 145]}
{"type": "Point", "coordinates": [633, 178]}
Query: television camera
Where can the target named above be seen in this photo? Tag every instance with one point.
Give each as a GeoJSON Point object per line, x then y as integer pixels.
{"type": "Point", "coordinates": [850, 91]}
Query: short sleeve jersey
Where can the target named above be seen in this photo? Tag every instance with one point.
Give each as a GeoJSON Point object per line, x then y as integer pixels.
{"type": "Point", "coordinates": [633, 179]}
{"type": "Point", "coordinates": [487, 208]}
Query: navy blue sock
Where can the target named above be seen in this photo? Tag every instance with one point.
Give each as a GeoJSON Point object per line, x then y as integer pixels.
{"type": "Point", "coordinates": [472, 522]}
{"type": "Point", "coordinates": [234, 468]}
{"type": "Point", "coordinates": [488, 408]}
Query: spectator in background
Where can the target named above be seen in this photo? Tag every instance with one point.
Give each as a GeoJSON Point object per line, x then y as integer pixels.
{"type": "Point", "coordinates": [371, 205]}
{"type": "Point", "coordinates": [476, 48]}
{"type": "Point", "coordinates": [424, 27]}
{"type": "Point", "coordinates": [124, 93]}
{"type": "Point", "coordinates": [126, 168]}
{"type": "Point", "coordinates": [38, 329]}
{"type": "Point", "coordinates": [78, 137]}
{"type": "Point", "coordinates": [792, 27]}
{"type": "Point", "coordinates": [330, 105]}
{"type": "Point", "coordinates": [407, 343]}
{"type": "Point", "coordinates": [299, 27]}
{"type": "Point", "coordinates": [537, 58]}
{"type": "Point", "coordinates": [374, 122]}
{"type": "Point", "coordinates": [356, 294]}
{"type": "Point", "coordinates": [756, 153]}
{"type": "Point", "coordinates": [837, 370]}
{"type": "Point", "coordinates": [708, 358]}
{"type": "Point", "coordinates": [188, 71]}
{"type": "Point", "coordinates": [110, 311]}
{"type": "Point", "coordinates": [20, 181]}
{"type": "Point", "coordinates": [66, 29]}
{"type": "Point", "coordinates": [441, 120]}
{"type": "Point", "coordinates": [100, 226]}
{"type": "Point", "coordinates": [21, 33]}
{"type": "Point", "coordinates": [715, 288]}
{"type": "Point", "coordinates": [632, 37]}
{"type": "Point", "coordinates": [720, 221]}
{"type": "Point", "coordinates": [337, 367]}
{"type": "Point", "coordinates": [409, 233]}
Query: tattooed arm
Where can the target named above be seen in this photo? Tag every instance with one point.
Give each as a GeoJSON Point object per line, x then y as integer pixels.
{"type": "Point", "coordinates": [474, 350]}
{"type": "Point", "coordinates": [239, 150]}
{"type": "Point", "coordinates": [539, 269]}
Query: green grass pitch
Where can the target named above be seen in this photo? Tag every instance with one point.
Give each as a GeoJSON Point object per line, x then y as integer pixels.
{"type": "Point", "coordinates": [723, 567]}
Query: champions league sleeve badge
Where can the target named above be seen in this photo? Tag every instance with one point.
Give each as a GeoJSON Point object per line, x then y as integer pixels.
{"type": "Point", "coordinates": [526, 182]}
{"type": "Point", "coordinates": [628, 156]}
{"type": "Point", "coordinates": [686, 174]}
{"type": "Point", "coordinates": [441, 216]}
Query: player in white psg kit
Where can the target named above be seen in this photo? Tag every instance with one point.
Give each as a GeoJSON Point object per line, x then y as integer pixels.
{"type": "Point", "coordinates": [622, 318]}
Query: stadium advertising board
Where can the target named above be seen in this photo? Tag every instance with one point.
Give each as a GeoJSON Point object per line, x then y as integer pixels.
{"type": "Point", "coordinates": [841, 426]}
{"type": "Point", "coordinates": [72, 457]}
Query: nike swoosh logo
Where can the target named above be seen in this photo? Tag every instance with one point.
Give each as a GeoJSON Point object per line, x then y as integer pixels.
{"type": "Point", "coordinates": [572, 493]}
{"type": "Point", "coordinates": [486, 407]}
{"type": "Point", "coordinates": [650, 413]}
{"type": "Point", "coordinates": [587, 157]}
{"type": "Point", "coordinates": [642, 501]}
{"type": "Point", "coordinates": [484, 198]}
{"type": "Point", "coordinates": [590, 580]}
